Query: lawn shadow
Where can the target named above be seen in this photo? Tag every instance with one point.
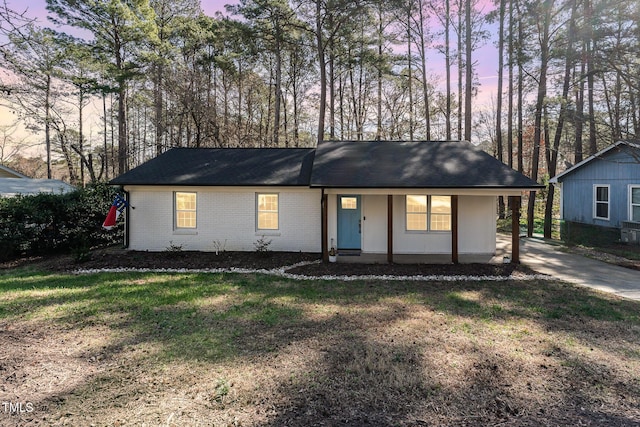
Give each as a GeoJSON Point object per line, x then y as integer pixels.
{"type": "Point", "coordinates": [384, 353]}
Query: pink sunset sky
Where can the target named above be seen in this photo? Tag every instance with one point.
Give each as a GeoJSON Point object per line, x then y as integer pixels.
{"type": "Point", "coordinates": [485, 57]}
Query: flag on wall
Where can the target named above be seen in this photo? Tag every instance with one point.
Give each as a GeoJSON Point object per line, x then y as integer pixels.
{"type": "Point", "coordinates": [118, 206]}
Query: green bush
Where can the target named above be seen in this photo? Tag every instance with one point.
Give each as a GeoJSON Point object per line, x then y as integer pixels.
{"type": "Point", "coordinates": [44, 223]}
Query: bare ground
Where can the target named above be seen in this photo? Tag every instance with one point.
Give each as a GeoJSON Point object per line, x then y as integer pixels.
{"type": "Point", "coordinates": [120, 258]}
{"type": "Point", "coordinates": [371, 353]}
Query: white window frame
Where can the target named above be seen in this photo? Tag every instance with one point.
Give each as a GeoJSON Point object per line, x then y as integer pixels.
{"type": "Point", "coordinates": [631, 204]}
{"type": "Point", "coordinates": [276, 211]}
{"type": "Point", "coordinates": [596, 201]}
{"type": "Point", "coordinates": [427, 214]}
{"type": "Point", "coordinates": [177, 211]}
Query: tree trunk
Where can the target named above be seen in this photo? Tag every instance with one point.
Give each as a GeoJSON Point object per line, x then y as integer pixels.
{"type": "Point", "coordinates": [499, 148]}
{"type": "Point", "coordinates": [460, 46]}
{"type": "Point", "coordinates": [80, 132]}
{"type": "Point", "coordinates": [379, 67]}
{"type": "Point", "coordinates": [540, 100]}
{"type": "Point", "coordinates": [158, 108]}
{"type": "Point", "coordinates": [47, 124]}
{"type": "Point", "coordinates": [323, 72]}
{"type": "Point", "coordinates": [510, 92]}
{"type": "Point", "coordinates": [593, 147]}
{"type": "Point", "coordinates": [105, 158]}
{"type": "Point", "coordinates": [123, 147]}
{"type": "Point", "coordinates": [468, 71]}
{"type": "Point", "coordinates": [579, 117]}
{"type": "Point", "coordinates": [278, 94]}
{"type": "Point", "coordinates": [552, 152]}
{"type": "Point", "coordinates": [447, 61]}
{"type": "Point", "coordinates": [410, 77]}
{"type": "Point", "coordinates": [520, 125]}
{"type": "Point", "coordinates": [425, 85]}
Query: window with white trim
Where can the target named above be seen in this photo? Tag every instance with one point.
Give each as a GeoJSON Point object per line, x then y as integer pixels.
{"type": "Point", "coordinates": [185, 210]}
{"type": "Point", "coordinates": [428, 213]}
{"type": "Point", "coordinates": [634, 203]}
{"type": "Point", "coordinates": [601, 201]}
{"type": "Point", "coordinates": [267, 211]}
{"type": "Point", "coordinates": [440, 213]}
{"type": "Point", "coordinates": [416, 213]}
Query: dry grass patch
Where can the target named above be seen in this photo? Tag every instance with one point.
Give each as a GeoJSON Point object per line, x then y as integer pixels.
{"type": "Point", "coordinates": [251, 350]}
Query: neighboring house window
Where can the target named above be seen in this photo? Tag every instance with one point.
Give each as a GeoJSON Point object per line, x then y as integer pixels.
{"type": "Point", "coordinates": [601, 201]}
{"type": "Point", "coordinates": [267, 207]}
{"type": "Point", "coordinates": [428, 213]}
{"type": "Point", "coordinates": [634, 203]}
{"type": "Point", "coordinates": [185, 210]}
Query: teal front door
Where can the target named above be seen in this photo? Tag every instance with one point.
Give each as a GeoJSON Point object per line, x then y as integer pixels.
{"type": "Point", "coordinates": [349, 225]}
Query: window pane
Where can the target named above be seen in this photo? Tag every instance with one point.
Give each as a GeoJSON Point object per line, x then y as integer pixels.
{"type": "Point", "coordinates": [186, 210]}
{"type": "Point", "coordinates": [416, 221]}
{"type": "Point", "coordinates": [635, 214]}
{"type": "Point", "coordinates": [635, 196]}
{"type": "Point", "coordinates": [416, 212]}
{"type": "Point", "coordinates": [268, 202]}
{"type": "Point", "coordinates": [186, 219]}
{"type": "Point", "coordinates": [268, 220]}
{"type": "Point", "coordinates": [267, 211]}
{"type": "Point", "coordinates": [602, 210]}
{"type": "Point", "coordinates": [416, 203]}
{"type": "Point", "coordinates": [185, 201]}
{"type": "Point", "coordinates": [440, 222]}
{"type": "Point", "coordinates": [602, 194]}
{"type": "Point", "coordinates": [349, 202]}
{"type": "Point", "coordinates": [440, 204]}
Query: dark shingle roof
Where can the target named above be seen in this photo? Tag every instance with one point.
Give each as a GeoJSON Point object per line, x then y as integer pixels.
{"type": "Point", "coordinates": [419, 164]}
{"type": "Point", "coordinates": [224, 166]}
{"type": "Point", "coordinates": [343, 164]}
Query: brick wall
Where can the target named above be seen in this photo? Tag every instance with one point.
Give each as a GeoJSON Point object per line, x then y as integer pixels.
{"type": "Point", "coordinates": [226, 215]}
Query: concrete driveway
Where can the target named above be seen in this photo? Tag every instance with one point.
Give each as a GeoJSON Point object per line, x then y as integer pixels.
{"type": "Point", "coordinates": [546, 258]}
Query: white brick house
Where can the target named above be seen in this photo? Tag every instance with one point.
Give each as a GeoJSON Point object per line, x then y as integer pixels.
{"type": "Point", "coordinates": [384, 198]}
{"type": "Point", "coordinates": [225, 217]}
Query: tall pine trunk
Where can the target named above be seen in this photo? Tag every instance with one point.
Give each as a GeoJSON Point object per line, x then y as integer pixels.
{"type": "Point", "coordinates": [552, 152]}
{"type": "Point", "coordinates": [540, 101]}
{"type": "Point", "coordinates": [468, 71]}
{"type": "Point", "coordinates": [499, 148]}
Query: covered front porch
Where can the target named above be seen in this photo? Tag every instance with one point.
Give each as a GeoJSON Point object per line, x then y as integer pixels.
{"type": "Point", "coordinates": [381, 234]}
{"type": "Point", "coordinates": [503, 254]}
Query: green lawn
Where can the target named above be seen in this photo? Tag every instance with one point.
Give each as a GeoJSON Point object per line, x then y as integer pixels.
{"type": "Point", "coordinates": [231, 349]}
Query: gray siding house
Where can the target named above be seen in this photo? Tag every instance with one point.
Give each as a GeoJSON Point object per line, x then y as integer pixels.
{"type": "Point", "coordinates": [600, 196]}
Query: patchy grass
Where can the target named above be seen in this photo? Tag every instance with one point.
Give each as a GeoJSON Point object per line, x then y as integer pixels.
{"type": "Point", "coordinates": [206, 349]}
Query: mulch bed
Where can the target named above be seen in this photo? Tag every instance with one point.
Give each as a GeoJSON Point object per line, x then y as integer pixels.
{"type": "Point", "coordinates": [119, 258]}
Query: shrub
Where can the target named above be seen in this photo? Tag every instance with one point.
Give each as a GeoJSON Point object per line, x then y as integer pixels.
{"type": "Point", "coordinates": [44, 223]}
{"type": "Point", "coordinates": [262, 247]}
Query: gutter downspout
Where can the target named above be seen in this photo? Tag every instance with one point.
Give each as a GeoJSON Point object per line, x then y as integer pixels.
{"type": "Point", "coordinates": [323, 226]}
{"type": "Point", "coordinates": [127, 197]}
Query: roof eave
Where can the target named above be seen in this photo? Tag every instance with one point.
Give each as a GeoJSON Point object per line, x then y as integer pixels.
{"type": "Point", "coordinates": [556, 179]}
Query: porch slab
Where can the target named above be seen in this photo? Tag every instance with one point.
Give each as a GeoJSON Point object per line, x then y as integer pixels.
{"type": "Point", "coordinates": [503, 249]}
{"type": "Point", "coordinates": [420, 259]}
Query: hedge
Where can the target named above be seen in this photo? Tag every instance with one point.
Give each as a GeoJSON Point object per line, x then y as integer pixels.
{"type": "Point", "coordinates": [46, 223]}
